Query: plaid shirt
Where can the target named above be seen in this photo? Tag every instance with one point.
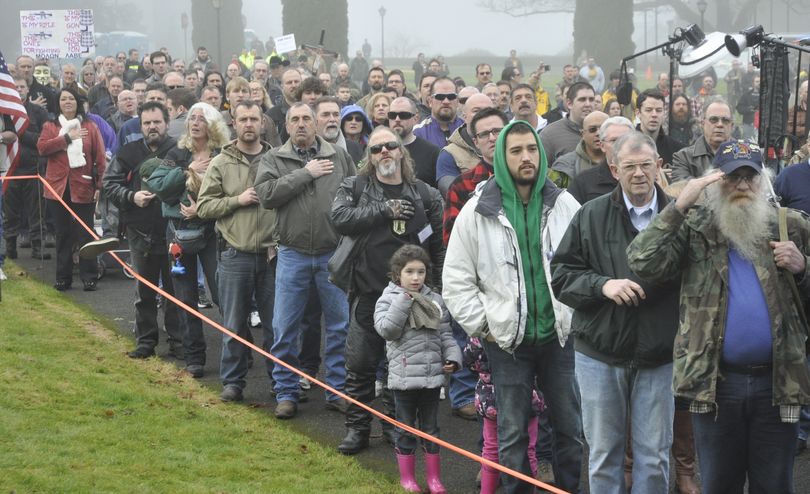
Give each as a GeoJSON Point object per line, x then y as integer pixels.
{"type": "Point", "coordinates": [460, 192]}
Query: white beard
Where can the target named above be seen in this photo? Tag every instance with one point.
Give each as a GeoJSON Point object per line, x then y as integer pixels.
{"type": "Point", "coordinates": [747, 226]}
{"type": "Point", "coordinates": [387, 168]}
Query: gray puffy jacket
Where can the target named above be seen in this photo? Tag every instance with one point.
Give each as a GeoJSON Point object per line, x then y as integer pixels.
{"type": "Point", "coordinates": [415, 356]}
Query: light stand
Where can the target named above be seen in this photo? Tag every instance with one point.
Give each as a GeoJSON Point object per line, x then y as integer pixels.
{"type": "Point", "coordinates": [772, 50]}
{"type": "Point", "coordinates": [692, 36]}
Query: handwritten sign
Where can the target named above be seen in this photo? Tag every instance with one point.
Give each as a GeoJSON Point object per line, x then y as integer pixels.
{"type": "Point", "coordinates": [285, 44]}
{"type": "Point", "coordinates": [57, 33]}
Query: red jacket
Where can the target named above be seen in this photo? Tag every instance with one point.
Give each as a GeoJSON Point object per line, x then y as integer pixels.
{"type": "Point", "coordinates": [54, 147]}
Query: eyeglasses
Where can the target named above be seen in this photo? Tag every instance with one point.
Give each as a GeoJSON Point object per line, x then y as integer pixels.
{"type": "Point", "coordinates": [354, 118]}
{"type": "Point", "coordinates": [402, 115]}
{"type": "Point", "coordinates": [377, 148]}
{"type": "Point", "coordinates": [716, 119]}
{"type": "Point", "coordinates": [445, 96]}
{"type": "Point", "coordinates": [178, 86]}
{"type": "Point", "coordinates": [486, 133]}
{"type": "Point", "coordinates": [734, 179]}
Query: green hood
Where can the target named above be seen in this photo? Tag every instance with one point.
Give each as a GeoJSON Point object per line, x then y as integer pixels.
{"type": "Point", "coordinates": [526, 220]}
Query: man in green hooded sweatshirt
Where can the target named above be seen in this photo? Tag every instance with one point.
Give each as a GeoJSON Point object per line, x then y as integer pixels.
{"type": "Point", "coordinates": [496, 285]}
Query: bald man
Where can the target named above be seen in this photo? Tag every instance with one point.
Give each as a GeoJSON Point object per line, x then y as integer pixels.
{"type": "Point", "coordinates": [587, 155]}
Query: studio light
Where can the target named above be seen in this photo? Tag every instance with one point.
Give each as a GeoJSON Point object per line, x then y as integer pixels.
{"type": "Point", "coordinates": [747, 38]}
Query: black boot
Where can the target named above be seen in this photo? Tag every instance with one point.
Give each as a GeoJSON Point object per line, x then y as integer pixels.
{"type": "Point", "coordinates": [36, 251]}
{"type": "Point", "coordinates": [354, 442]}
{"type": "Point", "coordinates": [11, 247]}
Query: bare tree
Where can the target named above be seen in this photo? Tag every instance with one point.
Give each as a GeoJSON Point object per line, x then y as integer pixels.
{"type": "Point", "coordinates": [403, 45]}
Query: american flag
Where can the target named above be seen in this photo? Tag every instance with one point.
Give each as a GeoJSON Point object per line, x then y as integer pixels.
{"type": "Point", "coordinates": [11, 105]}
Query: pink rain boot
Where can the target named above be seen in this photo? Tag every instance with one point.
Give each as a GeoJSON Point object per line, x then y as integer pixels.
{"type": "Point", "coordinates": [489, 480]}
{"type": "Point", "coordinates": [407, 478]}
{"type": "Point", "coordinates": [433, 472]}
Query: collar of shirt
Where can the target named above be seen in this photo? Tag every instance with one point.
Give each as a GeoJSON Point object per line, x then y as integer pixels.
{"type": "Point", "coordinates": [638, 215]}
{"type": "Point", "coordinates": [308, 153]}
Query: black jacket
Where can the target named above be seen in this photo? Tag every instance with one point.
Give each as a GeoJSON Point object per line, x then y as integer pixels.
{"type": "Point", "coordinates": [592, 252]}
{"type": "Point", "coordinates": [30, 160]}
{"type": "Point", "coordinates": [366, 217]}
{"type": "Point", "coordinates": [592, 183]}
{"type": "Point", "coordinates": [122, 180]}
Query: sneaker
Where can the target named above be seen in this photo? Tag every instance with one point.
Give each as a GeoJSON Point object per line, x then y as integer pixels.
{"type": "Point", "coordinates": [231, 392]}
{"type": "Point", "coordinates": [339, 405]}
{"type": "Point", "coordinates": [255, 320]}
{"type": "Point", "coordinates": [3, 276]}
{"type": "Point", "coordinates": [195, 370]}
{"type": "Point", "coordinates": [304, 383]}
{"type": "Point", "coordinates": [93, 249]}
{"type": "Point", "coordinates": [442, 394]}
{"type": "Point", "coordinates": [286, 409]}
{"type": "Point", "coordinates": [89, 286]}
{"type": "Point", "coordinates": [203, 302]}
{"type": "Point", "coordinates": [378, 388]}
{"type": "Point", "coordinates": [467, 412]}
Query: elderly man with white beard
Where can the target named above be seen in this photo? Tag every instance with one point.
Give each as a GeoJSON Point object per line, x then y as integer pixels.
{"type": "Point", "coordinates": [739, 356]}
{"type": "Point", "coordinates": [327, 125]}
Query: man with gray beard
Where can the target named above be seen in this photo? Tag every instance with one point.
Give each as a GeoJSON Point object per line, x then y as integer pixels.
{"type": "Point", "coordinates": [327, 125]}
{"type": "Point", "coordinates": [739, 356]}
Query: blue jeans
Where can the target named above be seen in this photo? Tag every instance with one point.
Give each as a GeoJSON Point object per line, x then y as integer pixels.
{"type": "Point", "coordinates": [294, 275]}
{"type": "Point", "coordinates": [241, 276]}
{"type": "Point", "coordinates": [610, 396]}
{"type": "Point", "coordinates": [804, 419]}
{"type": "Point", "coordinates": [745, 438]}
{"type": "Point", "coordinates": [413, 404]}
{"type": "Point", "coordinates": [514, 378]}
{"type": "Point", "coordinates": [462, 382]}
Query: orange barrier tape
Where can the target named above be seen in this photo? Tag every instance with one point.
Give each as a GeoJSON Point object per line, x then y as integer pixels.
{"type": "Point", "coordinates": [222, 329]}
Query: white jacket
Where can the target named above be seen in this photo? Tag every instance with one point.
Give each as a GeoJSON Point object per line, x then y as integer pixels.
{"type": "Point", "coordinates": [483, 283]}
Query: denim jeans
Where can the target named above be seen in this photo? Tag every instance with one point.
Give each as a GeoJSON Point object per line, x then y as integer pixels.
{"type": "Point", "coordinates": [489, 450]}
{"type": "Point", "coordinates": [241, 276]}
{"type": "Point", "coordinates": [295, 273]}
{"type": "Point", "coordinates": [185, 286]}
{"type": "Point", "coordinates": [745, 438]}
{"type": "Point", "coordinates": [804, 419]}
{"type": "Point", "coordinates": [514, 378]}
{"type": "Point", "coordinates": [462, 382]}
{"type": "Point", "coordinates": [309, 358]}
{"type": "Point", "coordinates": [412, 405]}
{"type": "Point", "coordinates": [150, 258]}
{"type": "Point", "coordinates": [610, 396]}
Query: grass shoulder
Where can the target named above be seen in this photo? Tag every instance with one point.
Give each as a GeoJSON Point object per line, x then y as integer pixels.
{"type": "Point", "coordinates": [77, 416]}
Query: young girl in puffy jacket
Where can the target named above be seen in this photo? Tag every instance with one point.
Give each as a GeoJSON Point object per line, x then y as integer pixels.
{"type": "Point", "coordinates": [476, 360]}
{"type": "Point", "coordinates": [414, 321]}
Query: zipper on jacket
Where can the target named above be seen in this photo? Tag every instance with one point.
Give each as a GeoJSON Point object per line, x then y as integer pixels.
{"type": "Point", "coordinates": [516, 255]}
{"type": "Point", "coordinates": [531, 271]}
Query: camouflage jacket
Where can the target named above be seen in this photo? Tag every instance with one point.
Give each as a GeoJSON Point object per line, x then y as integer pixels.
{"type": "Point", "coordinates": [691, 245]}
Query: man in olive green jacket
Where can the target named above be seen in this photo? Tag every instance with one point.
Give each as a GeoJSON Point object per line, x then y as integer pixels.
{"type": "Point", "coordinates": [299, 180]}
{"type": "Point", "coordinates": [739, 355]}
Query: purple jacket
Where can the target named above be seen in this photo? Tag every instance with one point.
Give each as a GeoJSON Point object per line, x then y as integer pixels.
{"type": "Point", "coordinates": [107, 134]}
{"type": "Point", "coordinates": [429, 130]}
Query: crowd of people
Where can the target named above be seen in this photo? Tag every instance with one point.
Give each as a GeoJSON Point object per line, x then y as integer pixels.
{"type": "Point", "coordinates": [568, 270]}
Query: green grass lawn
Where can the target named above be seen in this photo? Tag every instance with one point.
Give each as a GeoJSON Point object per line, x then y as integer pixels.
{"type": "Point", "coordinates": [76, 415]}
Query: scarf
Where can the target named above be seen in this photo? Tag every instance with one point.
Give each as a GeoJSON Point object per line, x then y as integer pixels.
{"type": "Point", "coordinates": [526, 220]}
{"type": "Point", "coordinates": [75, 150]}
{"type": "Point", "coordinates": [425, 314]}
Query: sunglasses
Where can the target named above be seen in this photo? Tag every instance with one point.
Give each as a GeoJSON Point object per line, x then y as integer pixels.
{"type": "Point", "coordinates": [402, 115]}
{"type": "Point", "coordinates": [714, 120]}
{"type": "Point", "coordinates": [445, 96]}
{"type": "Point", "coordinates": [377, 148]}
{"type": "Point", "coordinates": [354, 118]}
{"type": "Point", "coordinates": [486, 133]}
{"type": "Point", "coordinates": [174, 87]}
